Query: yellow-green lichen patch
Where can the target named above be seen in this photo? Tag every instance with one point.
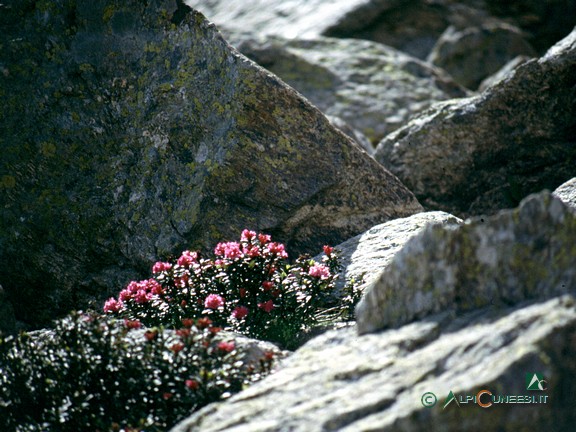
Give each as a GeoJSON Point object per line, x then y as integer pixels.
{"type": "Point", "coordinates": [7, 182]}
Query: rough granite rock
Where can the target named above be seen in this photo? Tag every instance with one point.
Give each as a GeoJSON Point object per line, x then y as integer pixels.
{"type": "Point", "coordinates": [412, 26]}
{"type": "Point", "coordinates": [294, 18]}
{"type": "Point", "coordinates": [344, 382]}
{"type": "Point", "coordinates": [132, 131]}
{"type": "Point", "coordinates": [355, 134]}
{"type": "Point", "coordinates": [546, 21]}
{"type": "Point", "coordinates": [474, 53]}
{"type": "Point", "coordinates": [367, 255]}
{"type": "Point", "coordinates": [481, 154]}
{"type": "Point", "coordinates": [521, 254]}
{"type": "Point", "coordinates": [372, 87]}
{"type": "Point", "coordinates": [567, 192]}
{"type": "Point", "coordinates": [502, 73]}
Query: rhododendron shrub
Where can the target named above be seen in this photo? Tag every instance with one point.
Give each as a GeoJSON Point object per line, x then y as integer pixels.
{"type": "Point", "coordinates": [91, 374]}
{"type": "Point", "coordinates": [247, 286]}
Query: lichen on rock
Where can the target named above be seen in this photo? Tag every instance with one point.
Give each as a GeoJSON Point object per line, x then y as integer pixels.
{"type": "Point", "coordinates": [134, 131]}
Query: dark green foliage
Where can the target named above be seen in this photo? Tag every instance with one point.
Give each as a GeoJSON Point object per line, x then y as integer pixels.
{"type": "Point", "coordinates": [100, 374]}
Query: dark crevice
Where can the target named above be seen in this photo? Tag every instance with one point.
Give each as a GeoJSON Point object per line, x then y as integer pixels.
{"type": "Point", "coordinates": [182, 10]}
{"type": "Point", "coordinates": [340, 421]}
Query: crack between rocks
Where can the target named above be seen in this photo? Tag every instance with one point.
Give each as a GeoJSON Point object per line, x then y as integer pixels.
{"type": "Point", "coordinates": [340, 421]}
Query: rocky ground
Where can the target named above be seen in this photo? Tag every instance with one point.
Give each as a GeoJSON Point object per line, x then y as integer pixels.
{"type": "Point", "coordinates": [418, 135]}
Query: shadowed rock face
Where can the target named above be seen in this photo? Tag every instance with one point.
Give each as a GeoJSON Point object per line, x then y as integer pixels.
{"type": "Point", "coordinates": [474, 53]}
{"type": "Point", "coordinates": [134, 131]}
{"type": "Point", "coordinates": [478, 155]}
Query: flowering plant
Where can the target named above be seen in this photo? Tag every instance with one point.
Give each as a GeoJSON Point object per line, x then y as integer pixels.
{"type": "Point", "coordinates": [248, 287]}
{"type": "Point", "coordinates": [95, 373]}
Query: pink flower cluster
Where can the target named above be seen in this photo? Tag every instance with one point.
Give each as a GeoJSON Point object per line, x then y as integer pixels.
{"type": "Point", "coordinates": [213, 301]}
{"type": "Point", "coordinates": [187, 259]}
{"type": "Point", "coordinates": [112, 305]}
{"type": "Point", "coordinates": [141, 292]}
{"type": "Point", "coordinates": [246, 286]}
{"type": "Point", "coordinates": [161, 266]}
{"type": "Point", "coordinates": [276, 249]}
{"type": "Point", "coordinates": [252, 245]}
{"type": "Point", "coordinates": [240, 312]}
{"type": "Point", "coordinates": [319, 271]}
{"type": "Point", "coordinates": [229, 250]}
{"type": "Point", "coordinates": [226, 346]}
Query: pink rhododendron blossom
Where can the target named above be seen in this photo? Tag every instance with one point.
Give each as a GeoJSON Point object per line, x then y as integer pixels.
{"type": "Point", "coordinates": [203, 323]}
{"type": "Point", "coordinates": [153, 287]}
{"type": "Point", "coordinates": [132, 324]}
{"type": "Point", "coordinates": [187, 259]}
{"type": "Point", "coordinates": [252, 251]}
{"type": "Point", "coordinates": [160, 267]}
{"type": "Point", "coordinates": [213, 301]}
{"type": "Point", "coordinates": [192, 384]}
{"type": "Point", "coordinates": [267, 306]}
{"type": "Point", "coordinates": [226, 346]}
{"type": "Point", "coordinates": [182, 281]}
{"type": "Point", "coordinates": [276, 249]}
{"type": "Point", "coordinates": [229, 250]}
{"type": "Point", "coordinates": [240, 312]}
{"type": "Point", "coordinates": [125, 295]}
{"type": "Point", "coordinates": [214, 330]}
{"type": "Point", "coordinates": [177, 347]}
{"type": "Point", "coordinates": [183, 333]}
{"type": "Point", "coordinates": [319, 271]}
{"type": "Point", "coordinates": [112, 305]}
{"type": "Point", "coordinates": [264, 238]}
{"type": "Point", "coordinates": [187, 322]}
{"type": "Point", "coordinates": [133, 287]}
{"type": "Point", "coordinates": [142, 297]}
{"type": "Point", "coordinates": [247, 235]}
{"type": "Point", "coordinates": [328, 250]}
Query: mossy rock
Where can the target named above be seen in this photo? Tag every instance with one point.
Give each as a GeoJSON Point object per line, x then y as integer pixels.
{"type": "Point", "coordinates": [132, 131]}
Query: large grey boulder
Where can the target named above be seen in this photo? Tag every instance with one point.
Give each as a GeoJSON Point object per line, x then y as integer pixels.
{"type": "Point", "coordinates": [502, 73]}
{"type": "Point", "coordinates": [365, 257]}
{"type": "Point", "coordinates": [374, 88]}
{"type": "Point", "coordinates": [294, 19]}
{"type": "Point", "coordinates": [344, 382]}
{"type": "Point", "coordinates": [481, 154]}
{"type": "Point", "coordinates": [522, 254]}
{"type": "Point", "coordinates": [545, 21]}
{"type": "Point", "coordinates": [567, 192]}
{"type": "Point", "coordinates": [473, 53]}
{"type": "Point", "coordinates": [412, 26]}
{"type": "Point", "coordinates": [132, 131]}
